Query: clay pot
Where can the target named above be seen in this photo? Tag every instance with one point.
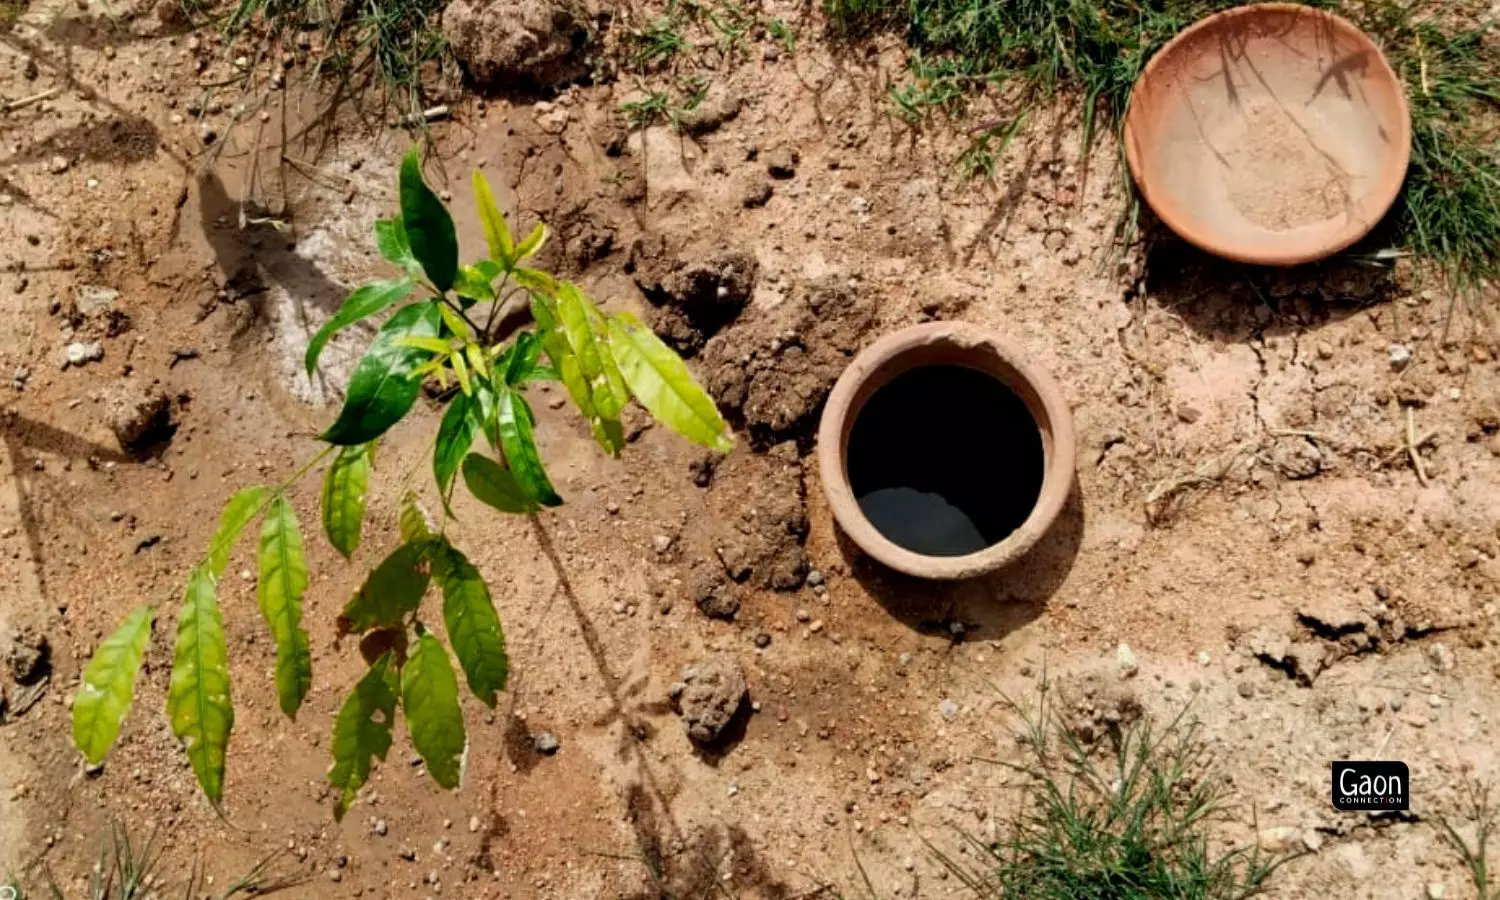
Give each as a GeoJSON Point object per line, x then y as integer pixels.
{"type": "Point", "coordinates": [946, 344]}
{"type": "Point", "coordinates": [1273, 134]}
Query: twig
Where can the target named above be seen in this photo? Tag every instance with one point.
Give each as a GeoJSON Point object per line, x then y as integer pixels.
{"type": "Point", "coordinates": [433, 114]}
{"type": "Point", "coordinates": [48, 94]}
{"type": "Point", "coordinates": [249, 184]}
{"type": "Point", "coordinates": [315, 173]}
{"type": "Point", "coordinates": [1411, 447]}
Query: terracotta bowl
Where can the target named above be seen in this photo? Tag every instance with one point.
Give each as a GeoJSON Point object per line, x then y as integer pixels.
{"type": "Point", "coordinates": [939, 345]}
{"type": "Point", "coordinates": [1273, 134]}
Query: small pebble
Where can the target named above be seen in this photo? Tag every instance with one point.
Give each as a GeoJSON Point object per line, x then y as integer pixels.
{"type": "Point", "coordinates": [381, 828]}
{"type": "Point", "coordinates": [1400, 356]}
{"type": "Point", "coordinates": [473, 824]}
{"type": "Point", "coordinates": [1125, 659]}
{"type": "Point", "coordinates": [948, 710]}
{"type": "Point", "coordinates": [662, 543]}
{"type": "Point", "coordinates": [546, 743]}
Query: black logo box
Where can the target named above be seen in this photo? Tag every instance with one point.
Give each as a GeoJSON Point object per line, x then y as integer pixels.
{"type": "Point", "coordinates": [1371, 786]}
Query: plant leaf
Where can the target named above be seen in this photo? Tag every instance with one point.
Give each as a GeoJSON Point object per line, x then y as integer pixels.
{"type": "Point", "coordinates": [384, 387]}
{"type": "Point", "coordinates": [573, 312]}
{"type": "Point", "coordinates": [109, 686]}
{"type": "Point", "coordinates": [471, 283]}
{"type": "Point", "coordinates": [473, 625]}
{"type": "Point", "coordinates": [362, 733]}
{"type": "Point", "coordinates": [454, 438]}
{"type": "Point", "coordinates": [490, 483]}
{"type": "Point", "coordinates": [535, 281]}
{"type": "Point", "coordinates": [532, 243]}
{"type": "Point", "coordinates": [429, 228]}
{"type": "Point", "coordinates": [391, 591]}
{"type": "Point", "coordinates": [461, 372]}
{"type": "Point", "coordinates": [365, 302]}
{"type": "Point", "coordinates": [415, 525]}
{"type": "Point", "coordinates": [283, 581]}
{"type": "Point", "coordinates": [610, 435]}
{"type": "Point", "coordinates": [519, 446]}
{"type": "Point", "coordinates": [484, 410]}
{"type": "Point", "coordinates": [391, 241]}
{"type": "Point", "coordinates": [429, 694]}
{"type": "Point", "coordinates": [238, 512]}
{"type": "Point", "coordinates": [344, 488]}
{"type": "Point", "coordinates": [619, 392]}
{"type": "Point", "coordinates": [663, 384]}
{"type": "Point", "coordinates": [198, 702]}
{"type": "Point", "coordinates": [496, 229]}
{"type": "Point", "coordinates": [521, 365]}
{"type": "Point", "coordinates": [455, 322]}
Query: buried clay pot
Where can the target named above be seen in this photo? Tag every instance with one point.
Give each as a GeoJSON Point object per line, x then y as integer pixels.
{"type": "Point", "coordinates": [944, 453]}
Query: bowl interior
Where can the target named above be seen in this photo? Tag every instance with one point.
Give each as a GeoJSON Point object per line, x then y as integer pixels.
{"type": "Point", "coordinates": [1273, 134]}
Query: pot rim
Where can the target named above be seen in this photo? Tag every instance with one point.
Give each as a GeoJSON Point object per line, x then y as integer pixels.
{"type": "Point", "coordinates": [883, 361]}
{"type": "Point", "coordinates": [1382, 200]}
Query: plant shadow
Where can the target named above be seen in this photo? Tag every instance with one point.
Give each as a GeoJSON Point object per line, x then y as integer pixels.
{"type": "Point", "coordinates": [985, 608]}
{"type": "Point", "coordinates": [679, 865]}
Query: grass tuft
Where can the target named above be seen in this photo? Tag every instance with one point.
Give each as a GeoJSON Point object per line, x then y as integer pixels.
{"type": "Point", "coordinates": [396, 42]}
{"type": "Point", "coordinates": [1128, 816]}
{"type": "Point", "coordinates": [1480, 814]}
{"type": "Point", "coordinates": [1091, 51]}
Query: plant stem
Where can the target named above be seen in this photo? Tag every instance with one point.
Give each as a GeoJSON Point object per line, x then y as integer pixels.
{"type": "Point", "coordinates": [461, 314]}
{"type": "Point", "coordinates": [277, 492]}
{"type": "Point", "coordinates": [495, 308]}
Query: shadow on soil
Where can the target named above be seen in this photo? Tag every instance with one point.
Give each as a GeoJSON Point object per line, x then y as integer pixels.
{"type": "Point", "coordinates": [26, 438]}
{"type": "Point", "coordinates": [985, 608]}
{"type": "Point", "coordinates": [1226, 301]}
{"type": "Point", "coordinates": [678, 865]}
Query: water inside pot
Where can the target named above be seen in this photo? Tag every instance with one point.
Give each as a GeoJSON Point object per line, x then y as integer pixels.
{"type": "Point", "coordinates": [945, 460]}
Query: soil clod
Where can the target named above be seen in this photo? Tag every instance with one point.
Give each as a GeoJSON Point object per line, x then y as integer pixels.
{"type": "Point", "coordinates": [137, 414]}
{"type": "Point", "coordinates": [500, 42]}
{"type": "Point", "coordinates": [711, 697]}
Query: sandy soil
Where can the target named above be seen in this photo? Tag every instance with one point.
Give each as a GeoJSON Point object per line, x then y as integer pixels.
{"type": "Point", "coordinates": [1248, 518]}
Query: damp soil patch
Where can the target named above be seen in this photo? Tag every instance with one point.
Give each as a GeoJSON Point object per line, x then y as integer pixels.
{"type": "Point", "coordinates": [945, 460]}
